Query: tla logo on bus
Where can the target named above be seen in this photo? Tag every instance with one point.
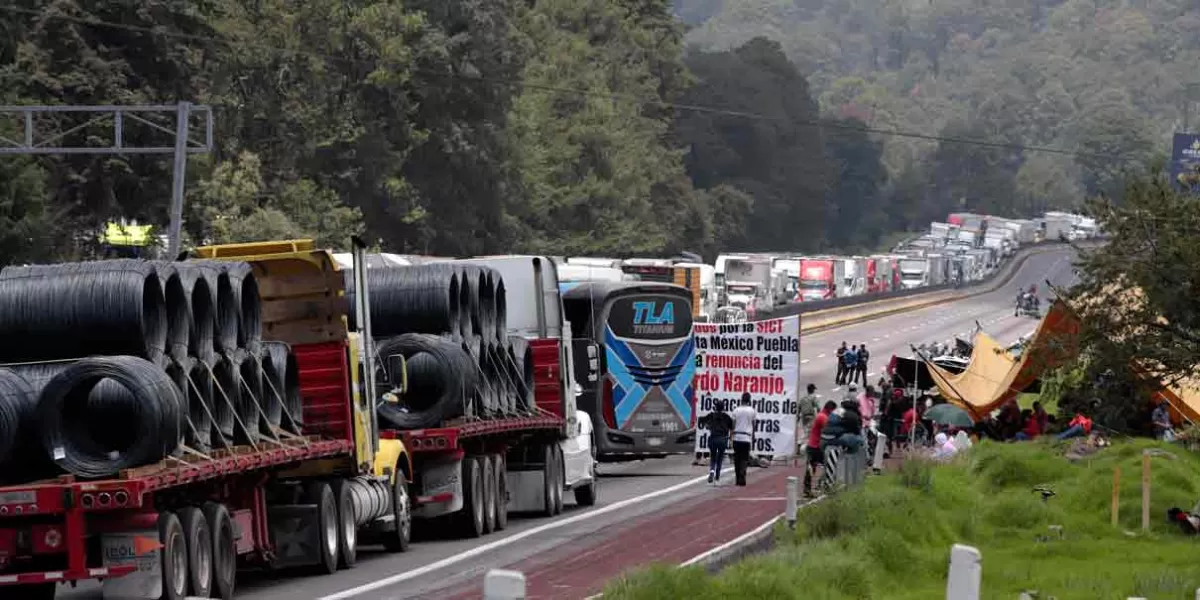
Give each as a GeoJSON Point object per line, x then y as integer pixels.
{"type": "Point", "coordinates": [644, 313]}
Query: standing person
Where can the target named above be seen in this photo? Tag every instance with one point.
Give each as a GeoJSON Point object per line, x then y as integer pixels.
{"type": "Point", "coordinates": [1161, 420]}
{"type": "Point", "coordinates": [841, 365]}
{"type": "Point", "coordinates": [849, 364]}
{"type": "Point", "coordinates": [806, 411]}
{"type": "Point", "coordinates": [719, 424]}
{"type": "Point", "coordinates": [860, 367]}
{"type": "Point", "coordinates": [743, 436]}
{"type": "Point", "coordinates": [813, 455]}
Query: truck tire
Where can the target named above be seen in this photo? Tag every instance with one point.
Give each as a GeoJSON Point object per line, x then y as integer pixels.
{"type": "Point", "coordinates": [585, 495]}
{"type": "Point", "coordinates": [501, 471]}
{"type": "Point", "coordinates": [224, 550]}
{"type": "Point", "coordinates": [347, 525]}
{"type": "Point", "coordinates": [319, 493]}
{"type": "Point", "coordinates": [174, 556]}
{"type": "Point", "coordinates": [471, 515]}
{"type": "Point", "coordinates": [560, 478]}
{"type": "Point", "coordinates": [486, 467]}
{"type": "Point", "coordinates": [548, 479]}
{"type": "Point", "coordinates": [398, 539]}
{"type": "Point", "coordinates": [199, 551]}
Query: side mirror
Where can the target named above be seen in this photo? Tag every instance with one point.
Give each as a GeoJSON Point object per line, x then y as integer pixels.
{"type": "Point", "coordinates": [397, 373]}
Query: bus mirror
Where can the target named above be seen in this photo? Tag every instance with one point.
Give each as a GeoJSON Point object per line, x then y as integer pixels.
{"type": "Point", "coordinates": [397, 370]}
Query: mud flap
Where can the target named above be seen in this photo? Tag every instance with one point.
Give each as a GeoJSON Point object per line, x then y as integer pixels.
{"type": "Point", "coordinates": [141, 548]}
{"type": "Point", "coordinates": [295, 534]}
{"type": "Point", "coordinates": [440, 478]}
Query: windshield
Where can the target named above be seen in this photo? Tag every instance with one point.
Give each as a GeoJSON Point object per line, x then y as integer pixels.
{"type": "Point", "coordinates": [813, 284]}
{"type": "Point", "coordinates": [741, 289]}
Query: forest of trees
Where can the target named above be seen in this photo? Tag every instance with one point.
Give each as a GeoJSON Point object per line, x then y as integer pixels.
{"type": "Point", "coordinates": [612, 127]}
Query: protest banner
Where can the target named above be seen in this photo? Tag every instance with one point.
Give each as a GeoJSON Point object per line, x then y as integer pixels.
{"type": "Point", "coordinates": [760, 357]}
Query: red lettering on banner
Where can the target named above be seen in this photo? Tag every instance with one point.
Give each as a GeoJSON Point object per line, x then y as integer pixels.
{"type": "Point", "coordinates": [771, 326]}
{"type": "Point", "coordinates": [755, 384]}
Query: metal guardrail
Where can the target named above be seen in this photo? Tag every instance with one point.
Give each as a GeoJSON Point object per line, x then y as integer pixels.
{"type": "Point", "coordinates": [1006, 269]}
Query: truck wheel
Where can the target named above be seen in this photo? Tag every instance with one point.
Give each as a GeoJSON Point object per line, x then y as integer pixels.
{"type": "Point", "coordinates": [199, 550]}
{"type": "Point", "coordinates": [347, 524]}
{"type": "Point", "coordinates": [586, 495]}
{"type": "Point", "coordinates": [174, 557]}
{"type": "Point", "coordinates": [398, 539]}
{"type": "Point", "coordinates": [560, 478]}
{"type": "Point", "coordinates": [489, 493]}
{"type": "Point", "coordinates": [224, 550]}
{"type": "Point", "coordinates": [473, 505]}
{"type": "Point", "coordinates": [501, 471]}
{"type": "Point", "coordinates": [548, 479]}
{"type": "Point", "coordinates": [321, 494]}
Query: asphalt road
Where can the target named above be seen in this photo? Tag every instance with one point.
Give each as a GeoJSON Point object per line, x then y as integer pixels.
{"type": "Point", "coordinates": [632, 489]}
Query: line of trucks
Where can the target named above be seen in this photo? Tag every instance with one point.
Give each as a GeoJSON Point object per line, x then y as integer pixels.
{"type": "Point", "coordinates": [185, 526]}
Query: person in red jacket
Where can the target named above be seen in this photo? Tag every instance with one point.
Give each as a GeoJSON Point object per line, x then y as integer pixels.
{"type": "Point", "coordinates": [1032, 427]}
{"type": "Point", "coordinates": [814, 457]}
{"type": "Point", "coordinates": [1080, 425]}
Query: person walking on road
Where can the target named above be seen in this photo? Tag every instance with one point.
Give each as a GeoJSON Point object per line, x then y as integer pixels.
{"type": "Point", "coordinates": [719, 425]}
{"type": "Point", "coordinates": [849, 364]}
{"type": "Point", "coordinates": [841, 365]}
{"type": "Point", "coordinates": [860, 366]}
{"type": "Point", "coordinates": [814, 457]}
{"type": "Point", "coordinates": [806, 410]}
{"type": "Point", "coordinates": [743, 437]}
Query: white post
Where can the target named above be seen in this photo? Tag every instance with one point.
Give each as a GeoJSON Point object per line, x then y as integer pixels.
{"type": "Point", "coordinates": [178, 177]}
{"type": "Point", "coordinates": [966, 573]}
{"type": "Point", "coordinates": [500, 584]}
{"type": "Point", "coordinates": [793, 500]}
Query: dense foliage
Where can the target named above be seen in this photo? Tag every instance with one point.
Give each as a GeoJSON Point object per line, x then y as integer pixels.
{"type": "Point", "coordinates": [581, 126]}
{"type": "Point", "coordinates": [1097, 77]}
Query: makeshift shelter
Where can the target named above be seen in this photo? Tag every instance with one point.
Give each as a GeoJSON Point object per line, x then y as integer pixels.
{"type": "Point", "coordinates": [995, 377]}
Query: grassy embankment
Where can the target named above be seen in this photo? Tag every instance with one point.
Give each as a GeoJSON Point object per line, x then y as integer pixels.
{"type": "Point", "coordinates": [891, 537]}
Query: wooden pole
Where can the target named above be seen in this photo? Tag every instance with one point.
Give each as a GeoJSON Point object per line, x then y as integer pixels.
{"type": "Point", "coordinates": [1145, 491]}
{"type": "Point", "coordinates": [1116, 495]}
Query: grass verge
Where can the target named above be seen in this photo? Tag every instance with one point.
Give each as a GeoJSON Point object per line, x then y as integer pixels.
{"type": "Point", "coordinates": [891, 537]}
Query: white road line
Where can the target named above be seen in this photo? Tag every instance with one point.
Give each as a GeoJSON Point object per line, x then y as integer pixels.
{"type": "Point", "coordinates": [804, 361]}
{"type": "Point", "coordinates": [836, 389]}
{"type": "Point", "coordinates": [875, 340]}
{"type": "Point", "coordinates": [500, 543]}
{"type": "Point", "coordinates": [870, 374]}
{"type": "Point", "coordinates": [820, 356]}
{"type": "Point", "coordinates": [887, 335]}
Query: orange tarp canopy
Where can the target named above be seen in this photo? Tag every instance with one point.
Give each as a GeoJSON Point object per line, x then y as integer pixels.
{"type": "Point", "coordinates": [994, 377]}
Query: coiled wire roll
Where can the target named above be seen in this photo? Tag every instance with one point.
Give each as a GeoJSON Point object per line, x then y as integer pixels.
{"type": "Point", "coordinates": [225, 305]}
{"type": "Point", "coordinates": [65, 412]}
{"type": "Point", "coordinates": [245, 395]}
{"type": "Point", "coordinates": [487, 305]}
{"type": "Point", "coordinates": [270, 393]}
{"type": "Point", "coordinates": [500, 319]}
{"type": "Point", "coordinates": [490, 379]}
{"type": "Point", "coordinates": [117, 264]}
{"type": "Point", "coordinates": [472, 280]}
{"type": "Point", "coordinates": [178, 317]}
{"type": "Point", "coordinates": [416, 299]}
{"type": "Point", "coordinates": [201, 309]}
{"type": "Point", "coordinates": [222, 377]}
{"type": "Point", "coordinates": [444, 380]}
{"type": "Point", "coordinates": [197, 398]}
{"type": "Point", "coordinates": [245, 293]}
{"type": "Point", "coordinates": [18, 416]}
{"type": "Point", "coordinates": [287, 384]}
{"type": "Point", "coordinates": [503, 383]}
{"type": "Point", "coordinates": [83, 312]}
{"type": "Point", "coordinates": [522, 354]}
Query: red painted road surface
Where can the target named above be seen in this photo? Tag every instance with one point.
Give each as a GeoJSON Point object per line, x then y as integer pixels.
{"type": "Point", "coordinates": [672, 536]}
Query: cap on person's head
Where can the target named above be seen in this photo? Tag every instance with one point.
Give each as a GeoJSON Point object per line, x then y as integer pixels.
{"type": "Point", "coordinates": [745, 397]}
{"type": "Point", "coordinates": [830, 405]}
{"type": "Point", "coordinates": [812, 388]}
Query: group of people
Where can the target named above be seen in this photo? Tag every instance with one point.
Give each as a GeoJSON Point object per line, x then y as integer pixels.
{"type": "Point", "coordinates": [723, 427]}
{"type": "Point", "coordinates": [826, 429]}
{"type": "Point", "coordinates": [852, 364]}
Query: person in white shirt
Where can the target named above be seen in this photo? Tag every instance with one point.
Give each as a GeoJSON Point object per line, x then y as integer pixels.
{"type": "Point", "coordinates": [743, 436]}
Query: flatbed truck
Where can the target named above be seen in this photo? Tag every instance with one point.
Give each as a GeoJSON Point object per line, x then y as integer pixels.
{"type": "Point", "coordinates": [184, 526]}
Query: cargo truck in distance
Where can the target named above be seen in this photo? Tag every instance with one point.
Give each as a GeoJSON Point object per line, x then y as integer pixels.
{"type": "Point", "coordinates": [182, 527]}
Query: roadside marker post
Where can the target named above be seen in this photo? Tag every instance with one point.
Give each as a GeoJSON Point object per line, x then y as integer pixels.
{"type": "Point", "coordinates": [966, 573]}
{"type": "Point", "coordinates": [501, 584]}
{"type": "Point", "coordinates": [793, 500]}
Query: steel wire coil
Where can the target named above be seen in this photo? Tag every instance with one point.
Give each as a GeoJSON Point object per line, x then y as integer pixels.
{"type": "Point", "coordinates": [443, 379]}
{"type": "Point", "coordinates": [224, 304]}
{"type": "Point", "coordinates": [270, 391]}
{"type": "Point", "coordinates": [503, 382]}
{"type": "Point", "coordinates": [80, 312]}
{"type": "Point", "coordinates": [522, 355]}
{"type": "Point", "coordinates": [18, 415]}
{"type": "Point", "coordinates": [175, 301]}
{"type": "Point", "coordinates": [491, 378]}
{"type": "Point", "coordinates": [476, 392]}
{"type": "Point", "coordinates": [245, 395]}
{"type": "Point", "coordinates": [487, 305]}
{"type": "Point", "coordinates": [222, 377]}
{"type": "Point", "coordinates": [287, 384]}
{"type": "Point", "coordinates": [500, 320]}
{"type": "Point", "coordinates": [117, 264]}
{"type": "Point", "coordinates": [201, 309]}
{"type": "Point", "coordinates": [473, 279]}
{"type": "Point", "coordinates": [197, 399]}
{"type": "Point", "coordinates": [416, 299]}
{"type": "Point", "coordinates": [246, 302]}
{"type": "Point", "coordinates": [66, 413]}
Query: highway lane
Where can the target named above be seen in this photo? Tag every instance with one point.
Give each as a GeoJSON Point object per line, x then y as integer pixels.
{"type": "Point", "coordinates": [437, 564]}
